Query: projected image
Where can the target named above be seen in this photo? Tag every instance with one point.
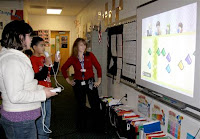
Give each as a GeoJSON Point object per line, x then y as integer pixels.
{"type": "Point", "coordinates": [168, 49]}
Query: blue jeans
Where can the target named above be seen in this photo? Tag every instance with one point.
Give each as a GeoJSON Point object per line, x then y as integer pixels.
{"type": "Point", "coordinates": [40, 131]}
{"type": "Point", "coordinates": [19, 130]}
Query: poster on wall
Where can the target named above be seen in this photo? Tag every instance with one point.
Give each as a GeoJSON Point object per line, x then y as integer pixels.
{"type": "Point", "coordinates": [143, 105]}
{"type": "Point", "coordinates": [63, 41]}
{"type": "Point", "coordinates": [45, 35]}
{"type": "Point", "coordinates": [189, 136]}
{"type": "Point", "coordinates": [158, 114]}
{"type": "Point", "coordinates": [16, 14]}
{"type": "Point", "coordinates": [174, 124]}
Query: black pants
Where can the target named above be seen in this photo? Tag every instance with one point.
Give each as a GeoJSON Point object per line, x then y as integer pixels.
{"type": "Point", "coordinates": [84, 114]}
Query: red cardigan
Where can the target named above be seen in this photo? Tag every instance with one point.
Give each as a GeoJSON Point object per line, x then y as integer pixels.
{"type": "Point", "coordinates": [89, 61]}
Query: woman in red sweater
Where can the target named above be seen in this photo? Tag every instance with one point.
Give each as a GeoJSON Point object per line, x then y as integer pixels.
{"type": "Point", "coordinates": [83, 82]}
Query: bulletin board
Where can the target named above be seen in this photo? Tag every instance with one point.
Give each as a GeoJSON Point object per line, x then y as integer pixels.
{"type": "Point", "coordinates": [121, 58]}
{"type": "Point", "coordinates": [112, 55]}
{"type": "Point", "coordinates": [129, 52]}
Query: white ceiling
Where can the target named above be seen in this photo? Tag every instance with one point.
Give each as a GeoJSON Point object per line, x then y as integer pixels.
{"type": "Point", "coordinates": [70, 7]}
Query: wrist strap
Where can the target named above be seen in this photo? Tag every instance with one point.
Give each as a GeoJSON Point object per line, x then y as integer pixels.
{"type": "Point", "coordinates": [49, 65]}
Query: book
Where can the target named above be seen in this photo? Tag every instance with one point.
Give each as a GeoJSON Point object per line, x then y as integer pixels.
{"type": "Point", "coordinates": [130, 117]}
{"type": "Point", "coordinates": [166, 137]}
{"type": "Point", "coordinates": [138, 119]}
{"type": "Point", "coordinates": [156, 136]}
{"type": "Point", "coordinates": [152, 126]}
{"type": "Point", "coordinates": [122, 112]}
{"type": "Point", "coordinates": [157, 132]}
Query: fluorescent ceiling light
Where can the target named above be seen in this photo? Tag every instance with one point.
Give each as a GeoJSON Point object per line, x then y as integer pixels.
{"type": "Point", "coordinates": [54, 11]}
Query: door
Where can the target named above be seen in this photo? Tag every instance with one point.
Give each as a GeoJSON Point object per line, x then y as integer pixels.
{"type": "Point", "coordinates": [61, 43]}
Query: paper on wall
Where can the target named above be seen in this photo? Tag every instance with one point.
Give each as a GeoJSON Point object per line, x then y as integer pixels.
{"type": "Point", "coordinates": [129, 71]}
{"type": "Point", "coordinates": [118, 75]}
{"type": "Point", "coordinates": [119, 51]}
{"type": "Point", "coordinates": [129, 52]}
{"type": "Point", "coordinates": [119, 63]}
{"type": "Point", "coordinates": [129, 31]}
{"type": "Point", "coordinates": [111, 63]}
{"type": "Point", "coordinates": [119, 39]}
{"type": "Point", "coordinates": [113, 45]}
{"type": "Point", "coordinates": [119, 45]}
{"type": "Point", "coordinates": [52, 41]}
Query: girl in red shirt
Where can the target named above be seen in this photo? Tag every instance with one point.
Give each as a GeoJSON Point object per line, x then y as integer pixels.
{"type": "Point", "coordinates": [83, 82]}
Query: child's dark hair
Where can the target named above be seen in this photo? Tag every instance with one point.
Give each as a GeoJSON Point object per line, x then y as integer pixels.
{"type": "Point", "coordinates": [11, 34]}
{"type": "Point", "coordinates": [36, 40]}
{"type": "Point", "coordinates": [28, 52]}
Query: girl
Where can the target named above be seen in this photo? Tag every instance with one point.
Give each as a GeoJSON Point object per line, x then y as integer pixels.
{"type": "Point", "coordinates": [21, 95]}
{"type": "Point", "coordinates": [83, 82]}
{"type": "Point", "coordinates": [43, 71]}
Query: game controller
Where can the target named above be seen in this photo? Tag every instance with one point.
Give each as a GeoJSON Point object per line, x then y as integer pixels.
{"type": "Point", "coordinates": [57, 54]}
{"type": "Point", "coordinates": [46, 54]}
{"type": "Point", "coordinates": [56, 90]}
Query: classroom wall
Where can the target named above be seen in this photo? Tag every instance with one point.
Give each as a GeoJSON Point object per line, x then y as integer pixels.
{"type": "Point", "coordinates": [56, 23]}
{"type": "Point", "coordinates": [26, 13]}
{"type": "Point", "coordinates": [90, 13]}
{"type": "Point", "coordinates": [7, 6]}
{"type": "Point", "coordinates": [173, 119]}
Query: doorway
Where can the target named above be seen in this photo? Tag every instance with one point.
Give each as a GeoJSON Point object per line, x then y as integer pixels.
{"type": "Point", "coordinates": [60, 41]}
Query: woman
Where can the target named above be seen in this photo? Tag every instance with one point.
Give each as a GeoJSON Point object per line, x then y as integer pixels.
{"type": "Point", "coordinates": [83, 82]}
{"type": "Point", "coordinates": [21, 95]}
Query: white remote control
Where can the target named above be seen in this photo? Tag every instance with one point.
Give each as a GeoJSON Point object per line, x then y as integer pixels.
{"type": "Point", "coordinates": [57, 53]}
{"type": "Point", "coordinates": [56, 90]}
{"type": "Point", "coordinates": [46, 54]}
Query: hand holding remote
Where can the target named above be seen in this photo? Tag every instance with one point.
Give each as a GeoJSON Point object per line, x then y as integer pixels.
{"type": "Point", "coordinates": [57, 53]}
{"type": "Point", "coordinates": [49, 93]}
{"type": "Point", "coordinates": [48, 60]}
{"type": "Point", "coordinates": [57, 56]}
{"type": "Point", "coordinates": [56, 90]}
{"type": "Point", "coordinates": [46, 54]}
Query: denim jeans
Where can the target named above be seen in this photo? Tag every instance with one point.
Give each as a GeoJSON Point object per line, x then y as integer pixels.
{"type": "Point", "coordinates": [40, 131]}
{"type": "Point", "coordinates": [19, 130]}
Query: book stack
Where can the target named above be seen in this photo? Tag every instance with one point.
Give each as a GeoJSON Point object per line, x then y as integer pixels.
{"type": "Point", "coordinates": [152, 130]}
{"type": "Point", "coordinates": [129, 116]}
{"type": "Point", "coordinates": [111, 101]}
{"type": "Point", "coordinates": [121, 110]}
